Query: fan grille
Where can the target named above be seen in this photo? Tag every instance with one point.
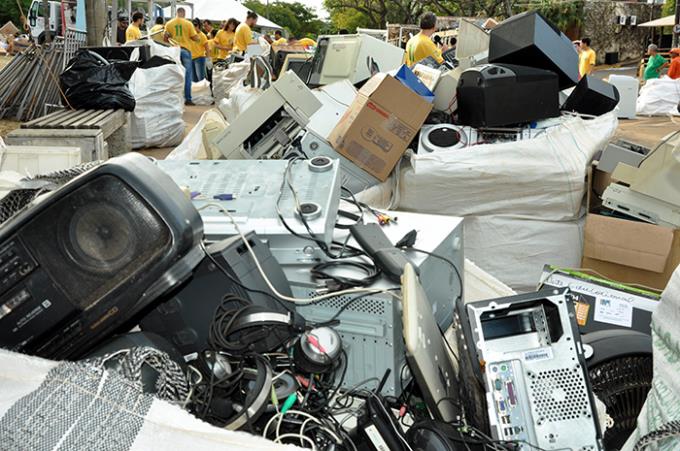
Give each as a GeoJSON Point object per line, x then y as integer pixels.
{"type": "Point", "coordinates": [559, 395]}
{"type": "Point", "coordinates": [622, 385]}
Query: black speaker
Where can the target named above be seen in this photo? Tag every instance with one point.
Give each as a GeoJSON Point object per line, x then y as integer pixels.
{"type": "Point", "coordinates": [496, 95]}
{"type": "Point", "coordinates": [529, 39]}
{"type": "Point", "coordinates": [185, 316]}
{"type": "Point", "coordinates": [592, 96]}
{"type": "Point", "coordinates": [80, 263]}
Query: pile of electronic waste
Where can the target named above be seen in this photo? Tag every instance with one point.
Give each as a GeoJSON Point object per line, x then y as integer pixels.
{"type": "Point", "coordinates": [495, 86]}
{"type": "Point", "coordinates": [285, 307]}
{"type": "Point", "coordinates": [267, 298]}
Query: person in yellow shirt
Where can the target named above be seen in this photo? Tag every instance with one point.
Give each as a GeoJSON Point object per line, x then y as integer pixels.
{"type": "Point", "coordinates": [182, 32]}
{"type": "Point", "coordinates": [224, 40]}
{"type": "Point", "coordinates": [244, 33]}
{"type": "Point", "coordinates": [586, 58]}
{"type": "Point", "coordinates": [307, 42]}
{"type": "Point", "coordinates": [134, 32]}
{"type": "Point", "coordinates": [279, 39]}
{"type": "Point", "coordinates": [213, 51]}
{"type": "Point", "coordinates": [207, 27]}
{"type": "Point", "coordinates": [421, 46]}
{"type": "Point", "coordinates": [158, 30]}
{"type": "Point", "coordinates": [199, 51]}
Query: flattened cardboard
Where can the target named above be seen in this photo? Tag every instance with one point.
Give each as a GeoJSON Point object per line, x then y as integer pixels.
{"type": "Point", "coordinates": [379, 125]}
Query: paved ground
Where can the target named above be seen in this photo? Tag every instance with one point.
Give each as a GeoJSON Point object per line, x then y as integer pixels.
{"type": "Point", "coordinates": [192, 114]}
{"type": "Point", "coordinates": [645, 131]}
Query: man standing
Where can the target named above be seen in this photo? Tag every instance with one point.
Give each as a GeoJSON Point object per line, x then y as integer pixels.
{"type": "Point", "coordinates": [134, 32]}
{"type": "Point", "coordinates": [158, 30]}
{"type": "Point", "coordinates": [586, 58]}
{"type": "Point", "coordinates": [421, 46]}
{"type": "Point", "coordinates": [121, 29]}
{"type": "Point", "coordinates": [199, 51]}
{"type": "Point", "coordinates": [279, 39]}
{"type": "Point", "coordinates": [244, 33]}
{"type": "Point", "coordinates": [207, 27]}
{"type": "Point", "coordinates": [182, 32]}
{"type": "Point", "coordinates": [674, 70]}
{"type": "Point", "coordinates": [655, 63]}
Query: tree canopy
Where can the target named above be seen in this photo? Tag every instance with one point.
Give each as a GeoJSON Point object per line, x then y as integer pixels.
{"type": "Point", "coordinates": [295, 17]}
{"type": "Point", "coordinates": [9, 10]}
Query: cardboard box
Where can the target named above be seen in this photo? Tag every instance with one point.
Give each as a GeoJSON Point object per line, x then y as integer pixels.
{"type": "Point", "coordinates": [603, 304]}
{"type": "Point", "coordinates": [630, 252]}
{"type": "Point", "coordinates": [379, 125]}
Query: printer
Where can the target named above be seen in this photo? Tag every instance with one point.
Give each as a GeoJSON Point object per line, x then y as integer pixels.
{"type": "Point", "coordinates": [650, 191]}
{"type": "Point", "coordinates": [266, 128]}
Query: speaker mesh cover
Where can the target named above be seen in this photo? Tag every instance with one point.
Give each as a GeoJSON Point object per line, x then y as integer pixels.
{"type": "Point", "coordinates": [94, 239]}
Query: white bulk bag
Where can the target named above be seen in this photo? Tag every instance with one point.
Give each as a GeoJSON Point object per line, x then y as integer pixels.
{"type": "Point", "coordinates": [542, 178]}
{"type": "Point", "coordinates": [157, 119]}
{"type": "Point", "coordinates": [514, 250]}
{"type": "Point", "coordinates": [659, 97]}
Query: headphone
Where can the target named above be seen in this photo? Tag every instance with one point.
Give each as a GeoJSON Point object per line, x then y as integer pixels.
{"type": "Point", "coordinates": [257, 399]}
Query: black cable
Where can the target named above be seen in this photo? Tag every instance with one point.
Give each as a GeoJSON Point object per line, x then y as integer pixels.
{"type": "Point", "coordinates": [321, 272]}
{"type": "Point", "coordinates": [453, 265]}
{"type": "Point", "coordinates": [322, 245]}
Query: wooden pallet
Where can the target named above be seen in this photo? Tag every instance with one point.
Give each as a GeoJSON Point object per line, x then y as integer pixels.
{"type": "Point", "coordinates": [108, 121]}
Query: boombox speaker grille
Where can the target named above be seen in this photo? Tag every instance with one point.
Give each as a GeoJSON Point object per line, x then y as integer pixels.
{"type": "Point", "coordinates": [102, 234]}
{"type": "Point", "coordinates": [559, 395]}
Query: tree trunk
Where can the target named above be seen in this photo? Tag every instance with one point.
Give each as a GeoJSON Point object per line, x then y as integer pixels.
{"type": "Point", "coordinates": [46, 16]}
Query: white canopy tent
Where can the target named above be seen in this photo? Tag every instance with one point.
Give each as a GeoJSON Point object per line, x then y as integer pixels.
{"type": "Point", "coordinates": [218, 10]}
{"type": "Point", "coordinates": [667, 21]}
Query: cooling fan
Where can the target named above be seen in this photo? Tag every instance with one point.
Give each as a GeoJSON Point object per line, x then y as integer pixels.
{"type": "Point", "coordinates": [620, 371]}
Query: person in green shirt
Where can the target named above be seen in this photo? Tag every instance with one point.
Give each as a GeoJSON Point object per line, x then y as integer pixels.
{"type": "Point", "coordinates": [655, 63]}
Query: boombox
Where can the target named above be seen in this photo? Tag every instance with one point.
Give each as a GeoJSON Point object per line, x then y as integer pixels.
{"type": "Point", "coordinates": [82, 261]}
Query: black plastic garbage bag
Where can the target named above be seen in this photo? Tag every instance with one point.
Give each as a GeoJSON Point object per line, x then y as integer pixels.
{"type": "Point", "coordinates": [91, 82]}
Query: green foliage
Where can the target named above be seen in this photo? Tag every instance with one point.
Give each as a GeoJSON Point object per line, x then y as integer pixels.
{"type": "Point", "coordinates": [295, 17]}
{"type": "Point", "coordinates": [349, 19]}
{"type": "Point", "coordinates": [668, 8]}
{"type": "Point", "coordinates": [10, 11]}
{"type": "Point", "coordinates": [375, 13]}
{"type": "Point", "coordinates": [564, 15]}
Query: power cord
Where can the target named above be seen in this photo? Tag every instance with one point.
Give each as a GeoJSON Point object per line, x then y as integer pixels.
{"type": "Point", "coordinates": [336, 282]}
{"type": "Point", "coordinates": [273, 289]}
